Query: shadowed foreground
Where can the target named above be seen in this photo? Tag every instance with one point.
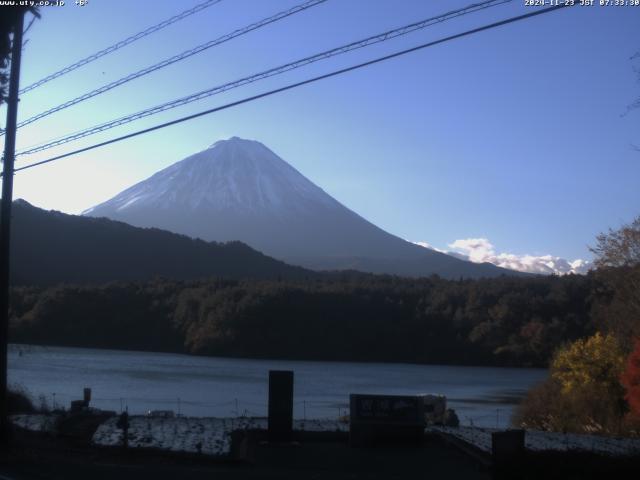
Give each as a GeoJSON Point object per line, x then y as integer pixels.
{"type": "Point", "coordinates": [34, 457]}
{"type": "Point", "coordinates": [317, 455]}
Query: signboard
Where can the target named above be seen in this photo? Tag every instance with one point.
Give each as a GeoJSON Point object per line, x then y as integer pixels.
{"type": "Point", "coordinates": [398, 409]}
{"type": "Point", "coordinates": [385, 418]}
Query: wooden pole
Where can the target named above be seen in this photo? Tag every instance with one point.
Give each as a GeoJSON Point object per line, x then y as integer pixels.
{"type": "Point", "coordinates": [5, 218]}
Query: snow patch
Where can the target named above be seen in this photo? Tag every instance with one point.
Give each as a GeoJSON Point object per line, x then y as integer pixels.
{"type": "Point", "coordinates": [543, 441]}
{"type": "Point", "coordinates": [129, 202]}
{"type": "Point", "coordinates": [209, 436]}
{"type": "Point", "coordinates": [35, 423]}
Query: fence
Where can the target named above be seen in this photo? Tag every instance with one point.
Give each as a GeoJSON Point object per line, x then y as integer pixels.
{"type": "Point", "coordinates": [231, 407]}
{"type": "Point", "coordinates": [304, 409]}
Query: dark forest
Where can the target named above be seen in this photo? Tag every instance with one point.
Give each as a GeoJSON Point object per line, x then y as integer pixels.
{"type": "Point", "coordinates": [502, 321]}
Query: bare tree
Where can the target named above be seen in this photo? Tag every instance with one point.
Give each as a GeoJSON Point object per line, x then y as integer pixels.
{"type": "Point", "coordinates": [619, 248]}
{"type": "Point", "coordinates": [618, 267]}
{"type": "Point", "coordinates": [635, 59]}
{"type": "Point", "coordinates": [636, 68]}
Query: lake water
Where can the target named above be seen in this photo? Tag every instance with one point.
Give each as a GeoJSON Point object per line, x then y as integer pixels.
{"type": "Point", "coordinates": [223, 387]}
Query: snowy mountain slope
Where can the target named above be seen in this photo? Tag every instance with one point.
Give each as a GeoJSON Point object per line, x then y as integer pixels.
{"type": "Point", "coordinates": [241, 175]}
{"type": "Point", "coordinates": [240, 190]}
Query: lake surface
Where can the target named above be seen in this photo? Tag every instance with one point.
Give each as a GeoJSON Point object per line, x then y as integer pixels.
{"type": "Point", "coordinates": [223, 387]}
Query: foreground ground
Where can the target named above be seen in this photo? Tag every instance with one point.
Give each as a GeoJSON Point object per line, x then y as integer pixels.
{"type": "Point", "coordinates": [330, 458]}
{"type": "Point", "coordinates": [90, 446]}
{"type": "Point", "coordinates": [212, 436]}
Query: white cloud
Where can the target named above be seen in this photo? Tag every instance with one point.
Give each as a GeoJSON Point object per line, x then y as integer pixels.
{"type": "Point", "coordinates": [478, 250]}
{"type": "Point", "coordinates": [481, 250]}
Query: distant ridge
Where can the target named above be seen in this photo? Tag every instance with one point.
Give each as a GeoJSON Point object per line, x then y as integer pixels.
{"type": "Point", "coordinates": [240, 190]}
{"type": "Point", "coordinates": [50, 247]}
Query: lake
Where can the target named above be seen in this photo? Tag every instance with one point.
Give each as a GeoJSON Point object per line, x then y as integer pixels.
{"type": "Point", "coordinates": [223, 387]}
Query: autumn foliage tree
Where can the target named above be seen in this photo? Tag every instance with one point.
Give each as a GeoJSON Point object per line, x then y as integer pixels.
{"type": "Point", "coordinates": [594, 362]}
{"type": "Point", "coordinates": [595, 381]}
{"type": "Point", "coordinates": [631, 381]}
{"type": "Point", "coordinates": [583, 393]}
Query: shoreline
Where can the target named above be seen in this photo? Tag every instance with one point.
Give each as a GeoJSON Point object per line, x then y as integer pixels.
{"type": "Point", "coordinates": [275, 359]}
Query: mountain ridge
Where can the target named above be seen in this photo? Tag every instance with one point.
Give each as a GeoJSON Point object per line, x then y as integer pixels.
{"type": "Point", "coordinates": [241, 190]}
{"type": "Point", "coordinates": [50, 247]}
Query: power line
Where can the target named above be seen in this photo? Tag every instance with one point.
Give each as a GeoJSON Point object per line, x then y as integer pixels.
{"type": "Point", "coordinates": [382, 37]}
{"type": "Point", "coordinates": [299, 84]}
{"type": "Point", "coordinates": [174, 59]}
{"type": "Point", "coordinates": [120, 44]}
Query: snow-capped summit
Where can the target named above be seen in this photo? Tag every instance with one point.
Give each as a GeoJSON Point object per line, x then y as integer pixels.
{"type": "Point", "coordinates": [234, 174]}
{"type": "Point", "coordinates": [239, 189]}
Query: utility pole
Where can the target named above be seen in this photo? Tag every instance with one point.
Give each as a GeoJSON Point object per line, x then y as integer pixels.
{"type": "Point", "coordinates": [5, 218]}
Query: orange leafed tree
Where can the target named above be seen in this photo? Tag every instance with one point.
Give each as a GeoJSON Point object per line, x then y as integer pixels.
{"type": "Point", "coordinates": [630, 379]}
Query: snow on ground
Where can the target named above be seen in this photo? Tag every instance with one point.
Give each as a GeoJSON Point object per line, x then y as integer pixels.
{"type": "Point", "coordinates": [210, 436]}
{"type": "Point", "coordinates": [319, 425]}
{"type": "Point", "coordinates": [35, 423]}
{"type": "Point", "coordinates": [540, 441]}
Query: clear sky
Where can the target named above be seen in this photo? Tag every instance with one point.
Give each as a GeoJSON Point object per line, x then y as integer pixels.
{"type": "Point", "coordinates": [516, 135]}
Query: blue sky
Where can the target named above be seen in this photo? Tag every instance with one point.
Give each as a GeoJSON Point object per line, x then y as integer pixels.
{"type": "Point", "coordinates": [515, 135]}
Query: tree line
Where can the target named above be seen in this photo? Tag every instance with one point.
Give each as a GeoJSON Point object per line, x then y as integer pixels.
{"type": "Point", "coordinates": [501, 321]}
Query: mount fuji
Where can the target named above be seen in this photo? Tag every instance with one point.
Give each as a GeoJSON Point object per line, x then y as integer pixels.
{"type": "Point", "coordinates": [240, 190]}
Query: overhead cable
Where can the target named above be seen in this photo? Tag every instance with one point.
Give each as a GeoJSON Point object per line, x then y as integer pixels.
{"type": "Point", "coordinates": [122, 43]}
{"type": "Point", "coordinates": [172, 60]}
{"type": "Point", "coordinates": [382, 37]}
{"type": "Point", "coordinates": [297, 84]}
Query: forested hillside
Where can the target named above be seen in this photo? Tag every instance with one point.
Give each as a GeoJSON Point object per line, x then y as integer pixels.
{"type": "Point", "coordinates": [50, 247]}
{"type": "Point", "coordinates": [502, 321]}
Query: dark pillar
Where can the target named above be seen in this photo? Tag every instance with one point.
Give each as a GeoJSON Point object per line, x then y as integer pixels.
{"type": "Point", "coordinates": [507, 447]}
{"type": "Point", "coordinates": [280, 405]}
{"type": "Point", "coordinates": [87, 396]}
